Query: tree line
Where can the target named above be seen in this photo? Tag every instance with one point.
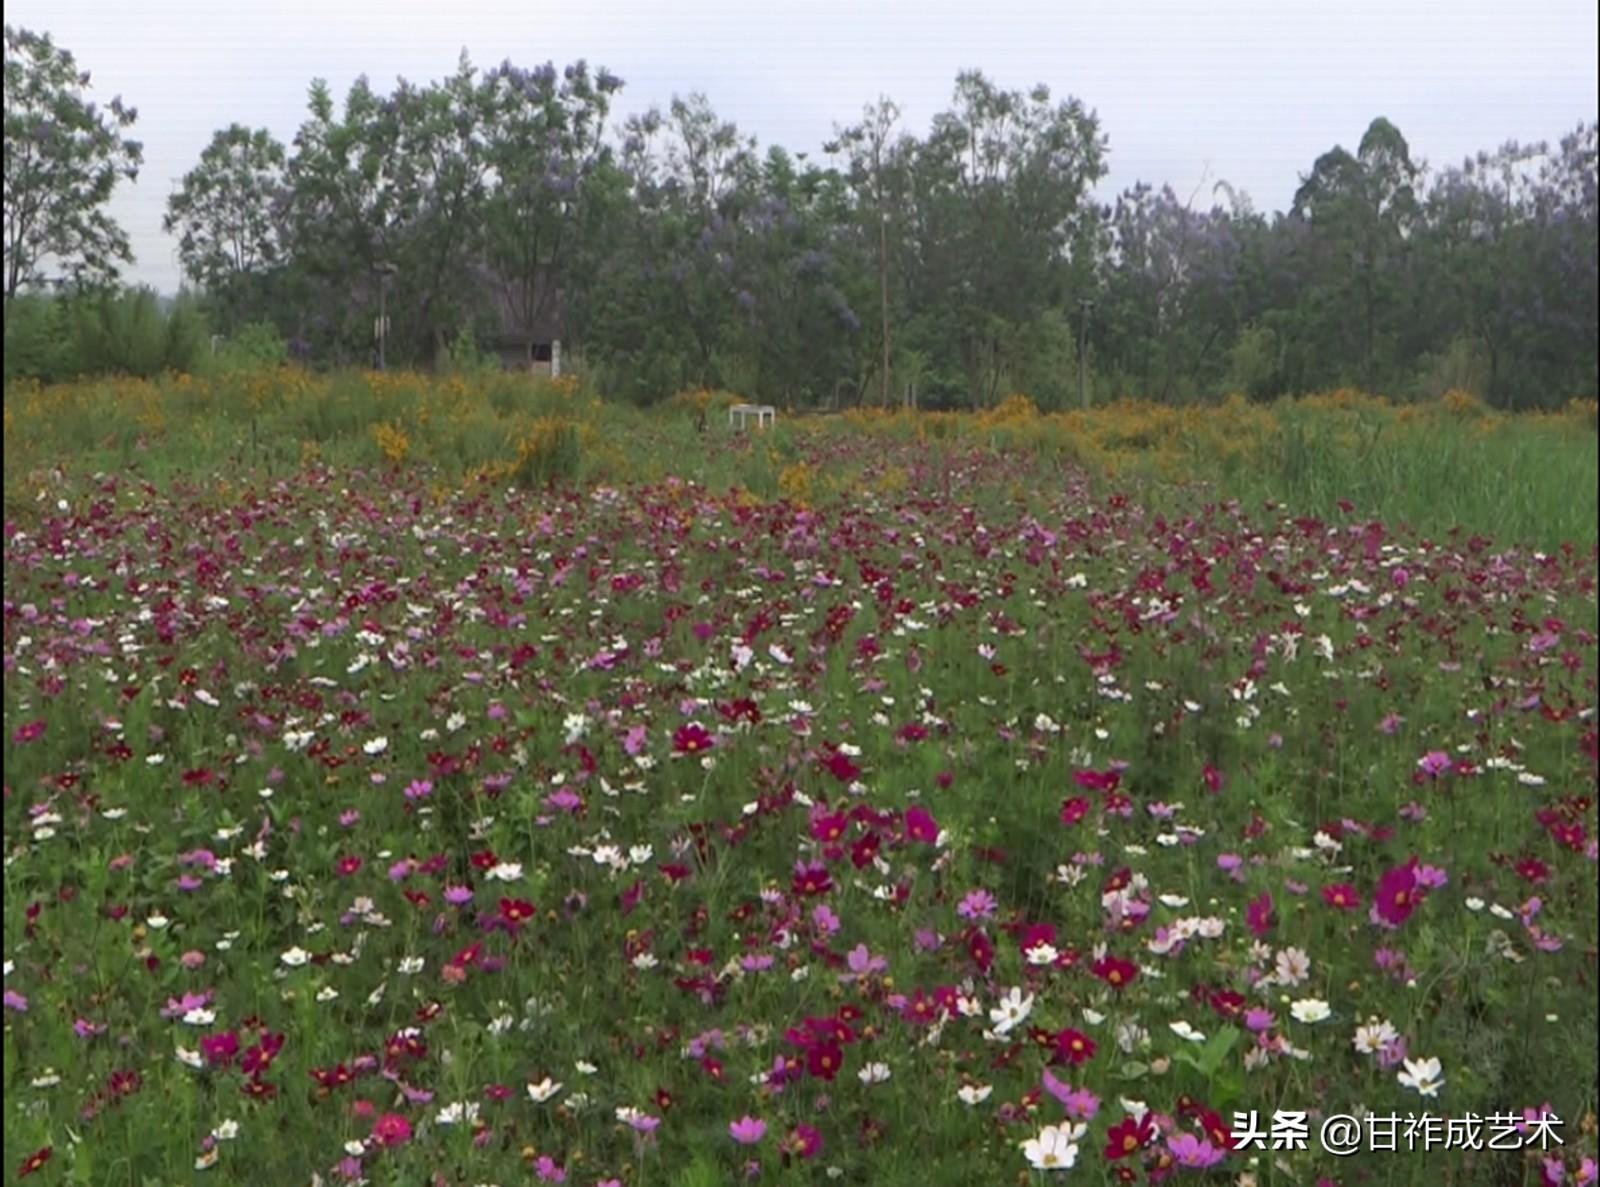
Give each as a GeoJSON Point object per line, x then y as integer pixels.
{"type": "Point", "coordinates": [947, 267]}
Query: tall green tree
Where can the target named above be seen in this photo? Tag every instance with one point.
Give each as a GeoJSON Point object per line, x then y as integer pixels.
{"type": "Point", "coordinates": [1362, 210]}
{"type": "Point", "coordinates": [226, 215]}
{"type": "Point", "coordinates": [999, 196]}
{"type": "Point", "coordinates": [64, 157]}
{"type": "Point", "coordinates": [544, 144]}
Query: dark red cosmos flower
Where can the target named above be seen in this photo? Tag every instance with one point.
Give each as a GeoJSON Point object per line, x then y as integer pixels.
{"type": "Point", "coordinates": [804, 1141]}
{"type": "Point", "coordinates": [981, 948]}
{"type": "Point", "coordinates": [824, 1060]}
{"type": "Point", "coordinates": [864, 849]}
{"type": "Point", "coordinates": [35, 1162]}
{"type": "Point", "coordinates": [1531, 869]}
{"type": "Point", "coordinates": [1115, 971]}
{"type": "Point", "coordinates": [258, 1058]}
{"type": "Point", "coordinates": [1213, 779]}
{"type": "Point", "coordinates": [1098, 780]}
{"type": "Point", "coordinates": [1226, 1002]}
{"type": "Point", "coordinates": [259, 1089]}
{"type": "Point", "coordinates": [220, 1050]}
{"type": "Point", "coordinates": [332, 1077]}
{"type": "Point", "coordinates": [920, 1009]}
{"type": "Point", "coordinates": [829, 827]}
{"type": "Point", "coordinates": [1129, 1136]}
{"type": "Point", "coordinates": [515, 912]}
{"type": "Point", "coordinates": [811, 878]}
{"type": "Point", "coordinates": [1074, 1047]}
{"type": "Point", "coordinates": [840, 766]}
{"type": "Point", "coordinates": [1343, 896]}
{"type": "Point", "coordinates": [691, 739]}
{"type": "Point", "coordinates": [1260, 915]}
{"type": "Point", "coordinates": [1216, 1129]}
{"type": "Point", "coordinates": [348, 866]}
{"type": "Point", "coordinates": [1074, 809]}
{"type": "Point", "coordinates": [1396, 896]}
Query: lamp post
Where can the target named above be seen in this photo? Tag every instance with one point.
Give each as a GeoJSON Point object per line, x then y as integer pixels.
{"type": "Point", "coordinates": [385, 270]}
{"type": "Point", "coordinates": [1085, 305]}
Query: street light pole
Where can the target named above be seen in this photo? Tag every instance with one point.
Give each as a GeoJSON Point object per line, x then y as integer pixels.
{"type": "Point", "coordinates": [1084, 306]}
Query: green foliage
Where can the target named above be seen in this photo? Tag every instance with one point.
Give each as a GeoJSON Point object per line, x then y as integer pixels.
{"type": "Point", "coordinates": [255, 346]}
{"type": "Point", "coordinates": [64, 157]}
{"type": "Point", "coordinates": [466, 358]}
{"type": "Point", "coordinates": [38, 340]}
{"type": "Point", "coordinates": [52, 339]}
{"type": "Point", "coordinates": [1254, 363]}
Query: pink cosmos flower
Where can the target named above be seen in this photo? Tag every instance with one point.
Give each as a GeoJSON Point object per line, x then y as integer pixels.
{"type": "Point", "coordinates": [747, 1131]}
{"type": "Point", "coordinates": [1194, 1152]}
{"type": "Point", "coordinates": [391, 1129]}
{"type": "Point", "coordinates": [1434, 764]}
{"type": "Point", "coordinates": [978, 904]}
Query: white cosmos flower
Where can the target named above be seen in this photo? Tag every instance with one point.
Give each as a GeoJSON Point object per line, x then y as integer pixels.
{"type": "Point", "coordinates": [1425, 1075]}
{"type": "Point", "coordinates": [1294, 966]}
{"type": "Point", "coordinates": [190, 1058]}
{"type": "Point", "coordinates": [1185, 1031]}
{"type": "Point", "coordinates": [1012, 1010]}
{"type": "Point", "coordinates": [226, 1131]}
{"type": "Point", "coordinates": [1310, 1009]}
{"type": "Point", "coordinates": [1042, 954]}
{"type": "Point", "coordinates": [200, 1017]}
{"type": "Point", "coordinates": [506, 871]}
{"type": "Point", "coordinates": [874, 1073]}
{"type": "Point", "coordinates": [1374, 1037]}
{"type": "Point", "coordinates": [1052, 1150]}
{"type": "Point", "coordinates": [295, 957]}
{"type": "Point", "coordinates": [375, 746]}
{"type": "Point", "coordinates": [543, 1090]}
{"type": "Point", "coordinates": [974, 1094]}
{"type": "Point", "coordinates": [455, 1114]}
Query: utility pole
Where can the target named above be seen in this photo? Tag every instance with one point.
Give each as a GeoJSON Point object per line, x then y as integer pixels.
{"type": "Point", "coordinates": [1085, 304]}
{"type": "Point", "coordinates": [385, 270]}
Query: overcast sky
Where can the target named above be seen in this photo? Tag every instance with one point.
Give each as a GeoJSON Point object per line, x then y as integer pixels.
{"type": "Point", "coordinates": [1251, 92]}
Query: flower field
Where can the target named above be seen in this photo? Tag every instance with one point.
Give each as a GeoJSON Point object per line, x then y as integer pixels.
{"type": "Point", "coordinates": [406, 786]}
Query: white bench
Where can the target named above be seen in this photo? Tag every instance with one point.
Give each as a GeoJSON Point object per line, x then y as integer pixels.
{"type": "Point", "coordinates": [739, 415]}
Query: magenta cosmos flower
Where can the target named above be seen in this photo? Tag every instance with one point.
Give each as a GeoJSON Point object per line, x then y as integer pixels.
{"type": "Point", "coordinates": [747, 1131]}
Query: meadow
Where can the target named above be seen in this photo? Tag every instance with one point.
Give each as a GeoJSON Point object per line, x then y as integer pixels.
{"type": "Point", "coordinates": [458, 781]}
